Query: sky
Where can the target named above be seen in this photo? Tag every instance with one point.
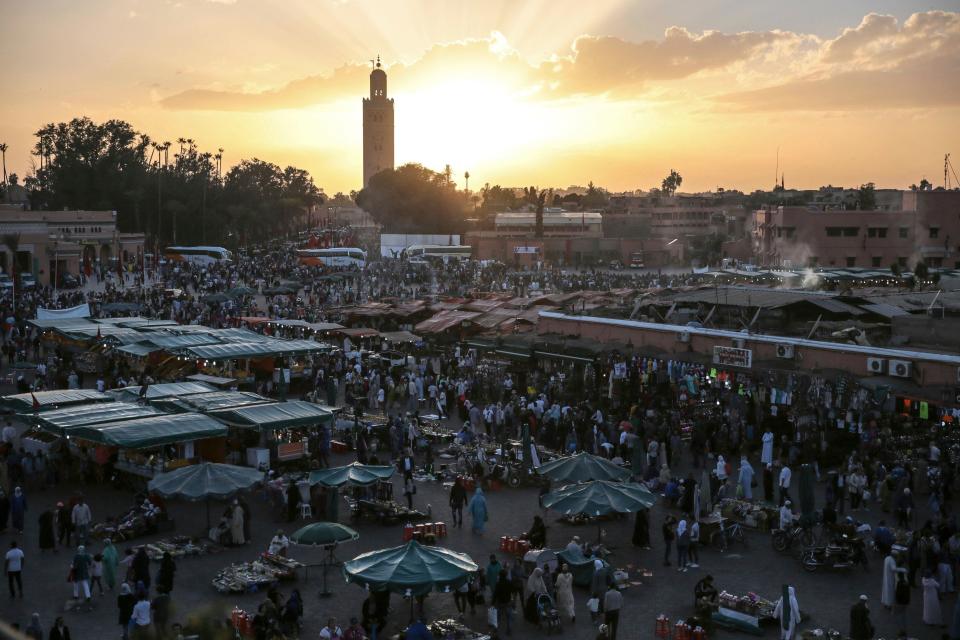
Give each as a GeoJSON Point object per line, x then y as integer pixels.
{"type": "Point", "coordinates": [517, 92]}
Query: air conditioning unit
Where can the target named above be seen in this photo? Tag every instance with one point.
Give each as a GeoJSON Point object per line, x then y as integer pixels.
{"type": "Point", "coordinates": [785, 351]}
{"type": "Point", "coordinates": [878, 365]}
{"type": "Point", "coordinates": [901, 368]}
{"type": "Point", "coordinates": [739, 343]}
{"type": "Point", "coordinates": [683, 336]}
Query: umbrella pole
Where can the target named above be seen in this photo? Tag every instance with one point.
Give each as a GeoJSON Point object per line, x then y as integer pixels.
{"type": "Point", "coordinates": [325, 593]}
{"type": "Point", "coordinates": [208, 512]}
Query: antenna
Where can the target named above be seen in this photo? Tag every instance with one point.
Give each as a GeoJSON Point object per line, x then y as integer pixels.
{"type": "Point", "coordinates": [777, 172]}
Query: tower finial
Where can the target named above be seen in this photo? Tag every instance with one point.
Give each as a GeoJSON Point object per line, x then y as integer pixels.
{"type": "Point", "coordinates": [378, 61]}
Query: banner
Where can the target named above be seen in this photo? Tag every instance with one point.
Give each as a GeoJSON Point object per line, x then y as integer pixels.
{"type": "Point", "coordinates": [526, 249]}
{"type": "Point", "coordinates": [80, 311]}
{"type": "Point", "coordinates": [732, 357]}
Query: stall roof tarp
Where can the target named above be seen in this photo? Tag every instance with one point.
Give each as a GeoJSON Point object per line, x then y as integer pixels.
{"type": "Point", "coordinates": [61, 420]}
{"type": "Point", "coordinates": [217, 400]}
{"type": "Point", "coordinates": [273, 417]}
{"type": "Point", "coordinates": [355, 475]}
{"type": "Point", "coordinates": [215, 381]}
{"type": "Point", "coordinates": [399, 336]}
{"type": "Point", "coordinates": [325, 326]}
{"type": "Point", "coordinates": [264, 349]}
{"type": "Point", "coordinates": [178, 342]}
{"type": "Point", "coordinates": [205, 480]}
{"type": "Point", "coordinates": [154, 431]}
{"type": "Point", "coordinates": [47, 400]}
{"type": "Point", "coordinates": [54, 323]}
{"type": "Point", "coordinates": [163, 390]}
{"type": "Point", "coordinates": [139, 349]}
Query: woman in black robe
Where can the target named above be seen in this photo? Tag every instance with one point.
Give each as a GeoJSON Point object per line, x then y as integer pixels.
{"type": "Point", "coordinates": [47, 535]}
{"type": "Point", "coordinates": [641, 530]}
{"type": "Point", "coordinates": [141, 568]}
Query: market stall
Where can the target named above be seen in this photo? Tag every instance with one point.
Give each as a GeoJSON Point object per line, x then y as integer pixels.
{"type": "Point", "coordinates": [211, 401]}
{"type": "Point", "coordinates": [205, 481]}
{"type": "Point", "coordinates": [581, 468]}
{"type": "Point", "coordinates": [180, 547]}
{"type": "Point", "coordinates": [159, 391]}
{"type": "Point", "coordinates": [284, 427]}
{"type": "Point", "coordinates": [144, 517]}
{"type": "Point", "coordinates": [599, 498]}
{"type": "Point", "coordinates": [41, 401]}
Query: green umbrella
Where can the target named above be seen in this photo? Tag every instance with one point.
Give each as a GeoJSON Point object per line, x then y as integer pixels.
{"type": "Point", "coordinates": [599, 497]}
{"type": "Point", "coordinates": [411, 569]}
{"type": "Point", "coordinates": [582, 467]}
{"type": "Point", "coordinates": [355, 474]}
{"type": "Point", "coordinates": [215, 298]}
{"type": "Point", "coordinates": [323, 534]}
{"type": "Point", "coordinates": [205, 481]}
{"type": "Point", "coordinates": [277, 291]}
{"type": "Point", "coordinates": [237, 292]}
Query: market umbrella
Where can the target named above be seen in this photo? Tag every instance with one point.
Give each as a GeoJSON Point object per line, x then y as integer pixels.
{"type": "Point", "coordinates": [581, 468]}
{"type": "Point", "coordinates": [327, 535]}
{"type": "Point", "coordinates": [807, 500]}
{"type": "Point", "coordinates": [277, 291]}
{"type": "Point", "coordinates": [237, 292]}
{"type": "Point", "coordinates": [215, 298]}
{"type": "Point", "coordinates": [599, 497]}
{"type": "Point", "coordinates": [411, 569]}
{"type": "Point", "coordinates": [355, 474]}
{"type": "Point", "coordinates": [205, 481]}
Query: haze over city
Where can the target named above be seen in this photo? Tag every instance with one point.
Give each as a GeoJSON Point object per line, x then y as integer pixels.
{"type": "Point", "coordinates": [549, 93]}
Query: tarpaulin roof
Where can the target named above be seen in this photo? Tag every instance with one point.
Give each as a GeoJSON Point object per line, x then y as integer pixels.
{"type": "Point", "coordinates": [325, 326]}
{"type": "Point", "coordinates": [599, 497]}
{"type": "Point", "coordinates": [205, 480]}
{"type": "Point", "coordinates": [272, 417]}
{"type": "Point", "coordinates": [60, 420]}
{"type": "Point", "coordinates": [263, 349]}
{"type": "Point", "coordinates": [163, 390]}
{"type": "Point", "coordinates": [399, 336]}
{"type": "Point", "coordinates": [153, 431]}
{"type": "Point", "coordinates": [23, 402]}
{"type": "Point", "coordinates": [188, 340]}
{"type": "Point", "coordinates": [355, 475]}
{"type": "Point", "coordinates": [138, 349]}
{"type": "Point", "coordinates": [213, 401]}
{"type": "Point", "coordinates": [216, 381]}
{"type": "Point", "coordinates": [444, 320]}
{"type": "Point", "coordinates": [358, 332]}
{"type": "Point", "coordinates": [581, 468]}
{"type": "Point", "coordinates": [412, 567]}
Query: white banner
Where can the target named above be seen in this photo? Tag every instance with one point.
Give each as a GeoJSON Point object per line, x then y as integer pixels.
{"type": "Point", "coordinates": [80, 311]}
{"type": "Point", "coordinates": [526, 249]}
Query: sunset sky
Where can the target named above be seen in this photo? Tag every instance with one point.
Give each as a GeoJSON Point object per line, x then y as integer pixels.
{"type": "Point", "coordinates": [547, 92]}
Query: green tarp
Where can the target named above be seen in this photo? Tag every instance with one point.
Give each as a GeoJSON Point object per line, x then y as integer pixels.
{"type": "Point", "coordinates": [162, 390]}
{"type": "Point", "coordinates": [600, 497]}
{"type": "Point", "coordinates": [140, 349]}
{"type": "Point", "coordinates": [323, 534]}
{"type": "Point", "coordinates": [205, 480]}
{"type": "Point", "coordinates": [213, 401]}
{"type": "Point", "coordinates": [141, 433]}
{"type": "Point", "coordinates": [59, 421]}
{"type": "Point", "coordinates": [47, 400]}
{"type": "Point", "coordinates": [260, 349]}
{"type": "Point", "coordinates": [355, 474]}
{"type": "Point", "coordinates": [582, 467]}
{"type": "Point", "coordinates": [412, 569]}
{"type": "Point", "coordinates": [276, 416]}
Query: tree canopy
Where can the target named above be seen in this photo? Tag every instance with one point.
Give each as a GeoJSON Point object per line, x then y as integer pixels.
{"type": "Point", "coordinates": [414, 199]}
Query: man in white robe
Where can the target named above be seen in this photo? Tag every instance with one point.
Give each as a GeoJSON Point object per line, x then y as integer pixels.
{"type": "Point", "coordinates": [789, 614]}
{"type": "Point", "coordinates": [889, 591]}
{"type": "Point", "coordinates": [766, 454]}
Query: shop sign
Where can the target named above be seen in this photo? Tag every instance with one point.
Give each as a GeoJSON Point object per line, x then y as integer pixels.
{"type": "Point", "coordinates": [733, 357]}
{"type": "Point", "coordinates": [291, 450]}
{"type": "Point", "coordinates": [526, 249]}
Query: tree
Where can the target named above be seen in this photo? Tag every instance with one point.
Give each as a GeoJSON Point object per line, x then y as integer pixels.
{"type": "Point", "coordinates": [671, 183]}
{"type": "Point", "coordinates": [923, 186]}
{"type": "Point", "coordinates": [413, 199]}
{"type": "Point", "coordinates": [921, 272]}
{"type": "Point", "coordinates": [867, 197]}
{"type": "Point", "coordinates": [3, 152]}
{"type": "Point", "coordinates": [896, 271]}
{"type": "Point", "coordinates": [595, 197]}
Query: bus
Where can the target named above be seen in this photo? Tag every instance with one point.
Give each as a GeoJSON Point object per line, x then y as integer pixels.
{"type": "Point", "coordinates": [333, 257]}
{"type": "Point", "coordinates": [446, 253]}
{"type": "Point", "coordinates": [198, 255]}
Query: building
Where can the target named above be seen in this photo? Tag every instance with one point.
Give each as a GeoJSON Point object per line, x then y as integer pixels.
{"type": "Point", "coordinates": [377, 126]}
{"type": "Point", "coordinates": [55, 243]}
{"type": "Point", "coordinates": [557, 223]}
{"type": "Point", "coordinates": [905, 228]}
{"type": "Point", "coordinates": [678, 216]}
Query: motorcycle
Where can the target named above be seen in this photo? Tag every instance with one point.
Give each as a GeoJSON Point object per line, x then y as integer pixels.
{"type": "Point", "coordinates": [783, 539]}
{"type": "Point", "coordinates": [848, 552]}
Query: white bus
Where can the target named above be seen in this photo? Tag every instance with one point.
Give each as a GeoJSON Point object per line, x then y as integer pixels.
{"type": "Point", "coordinates": [333, 257]}
{"type": "Point", "coordinates": [446, 253]}
{"type": "Point", "coordinates": [198, 255]}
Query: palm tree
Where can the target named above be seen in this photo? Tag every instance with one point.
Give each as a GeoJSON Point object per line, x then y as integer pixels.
{"type": "Point", "coordinates": [3, 151]}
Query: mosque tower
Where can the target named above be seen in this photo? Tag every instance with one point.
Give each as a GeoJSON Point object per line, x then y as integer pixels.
{"type": "Point", "coordinates": [377, 126]}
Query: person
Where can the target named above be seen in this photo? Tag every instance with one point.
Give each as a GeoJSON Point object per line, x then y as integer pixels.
{"type": "Point", "coordinates": [331, 631]}
{"type": "Point", "coordinates": [574, 546]}
{"type": "Point", "coordinates": [478, 511]}
{"type": "Point", "coordinates": [13, 567]}
{"type": "Point", "coordinates": [18, 509]}
{"type": "Point", "coordinates": [786, 515]}
{"type": "Point", "coordinates": [279, 544]}
{"type": "Point", "coordinates": [409, 490]}
{"type": "Point", "coordinates": [955, 623]}
{"type": "Point", "coordinates": [290, 617]}
{"type": "Point", "coordinates": [109, 563]}
{"type": "Point", "coordinates": [683, 543]}
{"type": "Point", "coordinates": [668, 537]}
{"type": "Point", "coordinates": [160, 611]}
{"type": "Point", "coordinates": [788, 612]}
{"type": "Point", "coordinates": [64, 528]}
{"type": "Point", "coordinates": [705, 595]}
{"type": "Point", "coordinates": [4, 509]}
{"type": "Point", "coordinates": [418, 631]}
{"type": "Point", "coordinates": [931, 601]}
{"type": "Point", "coordinates": [860, 626]}
{"type": "Point", "coordinates": [141, 568]}
{"type": "Point", "coordinates": [96, 573]}
{"type": "Point", "coordinates": [81, 573]}
{"type": "Point", "coordinates": [354, 631]}
{"type": "Point", "coordinates": [784, 483]}
{"type": "Point", "coordinates": [612, 602]}
{"type": "Point", "coordinates": [598, 584]}
{"type": "Point", "coordinates": [641, 530]}
{"type": "Point", "coordinates": [125, 602]}
{"type": "Point", "coordinates": [236, 524]}
{"type": "Point", "coordinates": [46, 533]}
{"type": "Point", "coordinates": [503, 601]}
{"type": "Point", "coordinates": [59, 630]}
{"type": "Point", "coordinates": [565, 601]}
{"type": "Point", "coordinates": [81, 518]}
{"type": "Point", "coordinates": [140, 618]}
{"type": "Point", "coordinates": [166, 572]}
{"type": "Point", "coordinates": [883, 538]}
{"type": "Point", "coordinates": [493, 574]}
{"type": "Point", "coordinates": [902, 601]}
{"type": "Point", "coordinates": [692, 553]}
{"type": "Point", "coordinates": [766, 454]}
{"type": "Point", "coordinates": [458, 498]}
{"type": "Point", "coordinates": [537, 535]}
{"type": "Point", "coordinates": [890, 573]}
{"type": "Point", "coordinates": [746, 478]}
{"type": "Point", "coordinates": [34, 630]}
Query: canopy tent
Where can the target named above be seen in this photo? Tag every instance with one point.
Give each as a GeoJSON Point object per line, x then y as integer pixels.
{"type": "Point", "coordinates": [265, 348]}
{"type": "Point", "coordinates": [139, 349]}
{"type": "Point", "coordinates": [399, 336]}
{"type": "Point", "coordinates": [61, 421]}
{"type": "Point", "coordinates": [599, 497]}
{"type": "Point", "coordinates": [583, 467]}
{"type": "Point", "coordinates": [153, 431]}
{"type": "Point", "coordinates": [205, 481]}
{"type": "Point", "coordinates": [214, 381]}
{"type": "Point", "coordinates": [213, 401]}
{"type": "Point", "coordinates": [276, 416]}
{"type": "Point", "coordinates": [168, 342]}
{"type": "Point", "coordinates": [47, 400]}
{"type": "Point", "coordinates": [411, 569]}
{"type": "Point", "coordinates": [163, 390]}
{"type": "Point", "coordinates": [355, 474]}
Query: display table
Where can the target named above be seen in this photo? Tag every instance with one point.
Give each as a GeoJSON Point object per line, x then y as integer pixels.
{"type": "Point", "coordinates": [449, 628]}
{"type": "Point", "coordinates": [179, 547]}
{"type": "Point", "coordinates": [387, 511]}
{"type": "Point", "coordinates": [749, 514]}
{"type": "Point", "coordinates": [248, 577]}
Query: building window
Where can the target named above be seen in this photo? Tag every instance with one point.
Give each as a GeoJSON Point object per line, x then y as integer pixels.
{"type": "Point", "coordinates": [851, 232]}
{"type": "Point", "coordinates": [934, 233]}
{"type": "Point", "coordinates": [904, 232]}
{"type": "Point", "coordinates": [851, 261]}
{"type": "Point", "coordinates": [877, 232]}
{"type": "Point", "coordinates": [875, 261]}
{"type": "Point", "coordinates": [902, 261]}
{"type": "Point", "coordinates": [834, 232]}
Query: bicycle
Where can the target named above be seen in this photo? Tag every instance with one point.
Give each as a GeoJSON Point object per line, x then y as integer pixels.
{"type": "Point", "coordinates": [721, 538]}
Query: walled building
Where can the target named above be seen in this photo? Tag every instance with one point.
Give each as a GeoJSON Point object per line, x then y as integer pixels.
{"type": "Point", "coordinates": [377, 126]}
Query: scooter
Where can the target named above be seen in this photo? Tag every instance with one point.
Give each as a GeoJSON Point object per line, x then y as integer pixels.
{"type": "Point", "coordinates": [848, 552]}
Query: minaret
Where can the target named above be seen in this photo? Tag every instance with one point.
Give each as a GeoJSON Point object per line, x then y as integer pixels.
{"type": "Point", "coordinates": [377, 126]}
